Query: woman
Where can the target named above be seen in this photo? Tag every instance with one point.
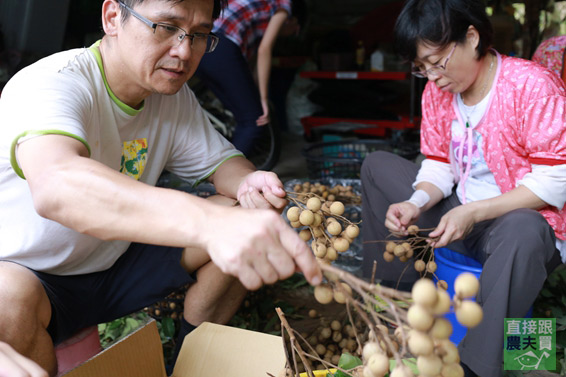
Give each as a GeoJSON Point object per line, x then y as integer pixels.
{"type": "Point", "coordinates": [493, 184]}
{"type": "Point", "coordinates": [247, 29]}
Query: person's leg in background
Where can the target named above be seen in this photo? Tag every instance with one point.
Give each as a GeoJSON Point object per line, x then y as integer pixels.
{"type": "Point", "coordinates": [227, 74]}
{"type": "Point", "coordinates": [517, 251]}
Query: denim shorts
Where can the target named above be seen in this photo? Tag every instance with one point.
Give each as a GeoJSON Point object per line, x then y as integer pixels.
{"type": "Point", "coordinates": [143, 275]}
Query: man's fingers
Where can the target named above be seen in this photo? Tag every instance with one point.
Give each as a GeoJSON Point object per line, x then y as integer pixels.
{"type": "Point", "coordinates": [283, 263]}
{"type": "Point", "coordinates": [249, 278]}
{"type": "Point", "coordinates": [264, 268]}
{"type": "Point", "coordinates": [303, 257]}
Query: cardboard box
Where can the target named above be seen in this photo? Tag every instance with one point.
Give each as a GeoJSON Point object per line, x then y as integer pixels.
{"type": "Point", "coordinates": [209, 351]}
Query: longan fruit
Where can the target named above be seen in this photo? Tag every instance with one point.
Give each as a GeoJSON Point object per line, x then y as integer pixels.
{"type": "Point", "coordinates": [388, 257]}
{"type": "Point", "coordinates": [424, 292]}
{"type": "Point", "coordinates": [313, 313]}
{"type": "Point", "coordinates": [337, 208]}
{"type": "Point", "coordinates": [334, 228]}
{"type": "Point", "coordinates": [339, 296]}
{"type": "Point", "coordinates": [325, 333]}
{"type": "Point", "coordinates": [371, 348]}
{"type": "Point", "coordinates": [317, 231]}
{"type": "Point", "coordinates": [296, 224]}
{"type": "Point", "coordinates": [306, 217]}
{"type": "Point", "coordinates": [452, 370]}
{"type": "Point", "coordinates": [399, 251]}
{"type": "Point", "coordinates": [336, 336]}
{"type": "Point", "coordinates": [305, 234]}
{"type": "Point", "coordinates": [378, 364]}
{"type": "Point", "coordinates": [331, 254]}
{"type": "Point", "coordinates": [389, 246]}
{"type": "Point", "coordinates": [335, 325]}
{"type": "Point", "coordinates": [317, 220]}
{"type": "Point", "coordinates": [441, 329]}
{"type": "Point", "coordinates": [319, 250]}
{"type": "Point", "coordinates": [469, 313]}
{"type": "Point", "coordinates": [366, 372]}
{"type": "Point", "coordinates": [429, 365]}
{"type": "Point", "coordinates": [413, 229]}
{"type": "Point", "coordinates": [403, 258]}
{"type": "Point", "coordinates": [352, 231]}
{"type": "Point", "coordinates": [420, 265]}
{"type": "Point", "coordinates": [442, 305]}
{"type": "Point", "coordinates": [335, 359]}
{"type": "Point", "coordinates": [341, 244]}
{"type": "Point", "coordinates": [323, 293]}
{"type": "Point", "coordinates": [401, 370]}
{"type": "Point", "coordinates": [420, 343]}
{"type": "Point", "coordinates": [419, 318]}
{"type": "Point", "coordinates": [447, 351]}
{"type": "Point", "coordinates": [293, 214]}
{"type": "Point", "coordinates": [466, 285]}
{"type": "Point", "coordinates": [314, 204]}
{"type": "Point", "coordinates": [431, 266]}
{"type": "Point", "coordinates": [442, 284]}
{"type": "Point", "coordinates": [320, 349]}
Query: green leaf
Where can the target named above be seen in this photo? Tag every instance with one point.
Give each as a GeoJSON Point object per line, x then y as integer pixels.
{"type": "Point", "coordinates": [168, 326]}
{"type": "Point", "coordinates": [348, 361]}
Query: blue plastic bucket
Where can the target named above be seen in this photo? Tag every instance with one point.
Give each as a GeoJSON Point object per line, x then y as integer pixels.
{"type": "Point", "coordinates": [450, 264]}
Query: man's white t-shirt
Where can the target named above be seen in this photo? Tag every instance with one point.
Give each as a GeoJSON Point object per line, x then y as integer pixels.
{"type": "Point", "coordinates": [67, 94]}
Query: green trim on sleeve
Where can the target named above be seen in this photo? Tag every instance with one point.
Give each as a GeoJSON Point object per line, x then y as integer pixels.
{"type": "Point", "coordinates": [217, 166]}
{"type": "Point", "coordinates": [26, 134]}
{"type": "Point", "coordinates": [127, 109]}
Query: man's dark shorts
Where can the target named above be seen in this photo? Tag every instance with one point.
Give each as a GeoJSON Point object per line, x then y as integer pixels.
{"type": "Point", "coordinates": [142, 276]}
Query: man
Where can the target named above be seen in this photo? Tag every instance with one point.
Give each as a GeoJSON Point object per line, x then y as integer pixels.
{"type": "Point", "coordinates": [84, 136]}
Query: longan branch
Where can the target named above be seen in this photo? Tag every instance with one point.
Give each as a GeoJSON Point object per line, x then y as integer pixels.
{"type": "Point", "coordinates": [294, 343]}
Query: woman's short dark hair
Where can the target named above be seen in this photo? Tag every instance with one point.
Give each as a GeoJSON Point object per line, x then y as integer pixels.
{"type": "Point", "coordinates": [440, 22]}
{"type": "Point", "coordinates": [219, 5]}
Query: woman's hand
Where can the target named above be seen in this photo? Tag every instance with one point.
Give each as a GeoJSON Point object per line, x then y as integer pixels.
{"type": "Point", "coordinates": [400, 215]}
{"type": "Point", "coordinates": [264, 118]}
{"type": "Point", "coordinates": [455, 225]}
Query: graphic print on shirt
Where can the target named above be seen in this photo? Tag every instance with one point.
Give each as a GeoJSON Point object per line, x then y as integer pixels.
{"type": "Point", "coordinates": [480, 183]}
{"type": "Point", "coordinates": [134, 156]}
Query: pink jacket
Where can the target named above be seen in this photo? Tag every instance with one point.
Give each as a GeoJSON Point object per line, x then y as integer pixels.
{"type": "Point", "coordinates": [525, 123]}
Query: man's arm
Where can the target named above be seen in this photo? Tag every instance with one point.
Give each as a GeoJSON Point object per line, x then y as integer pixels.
{"type": "Point", "coordinates": [256, 246]}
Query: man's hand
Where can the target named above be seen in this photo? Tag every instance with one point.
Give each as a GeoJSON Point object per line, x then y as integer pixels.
{"type": "Point", "coordinates": [262, 189]}
{"type": "Point", "coordinates": [258, 247]}
{"type": "Point", "coordinates": [12, 364]}
{"type": "Point", "coordinates": [400, 215]}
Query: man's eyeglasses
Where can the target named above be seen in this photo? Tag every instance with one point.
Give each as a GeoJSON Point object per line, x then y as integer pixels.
{"type": "Point", "coordinates": [174, 35]}
{"type": "Point", "coordinates": [435, 70]}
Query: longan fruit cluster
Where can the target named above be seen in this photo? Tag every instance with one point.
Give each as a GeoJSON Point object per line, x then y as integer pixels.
{"type": "Point", "coordinates": [330, 339]}
{"type": "Point", "coordinates": [429, 335]}
{"type": "Point", "coordinates": [339, 192]}
{"type": "Point", "coordinates": [412, 247]}
{"type": "Point", "coordinates": [322, 222]}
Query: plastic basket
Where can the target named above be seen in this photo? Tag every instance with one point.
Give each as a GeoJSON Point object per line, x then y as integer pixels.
{"type": "Point", "coordinates": [450, 264]}
{"type": "Point", "coordinates": [343, 158]}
